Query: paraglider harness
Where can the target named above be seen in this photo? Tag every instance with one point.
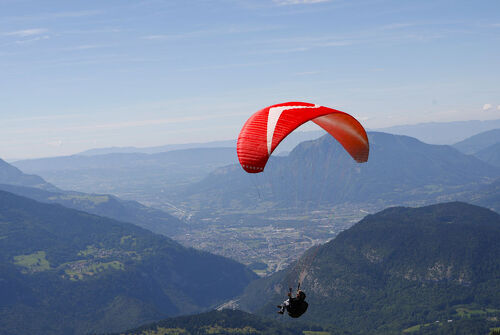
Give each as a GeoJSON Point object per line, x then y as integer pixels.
{"type": "Point", "coordinates": [295, 306]}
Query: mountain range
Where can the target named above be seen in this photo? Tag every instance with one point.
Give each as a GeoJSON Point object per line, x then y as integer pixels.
{"type": "Point", "coordinates": [65, 271]}
{"type": "Point", "coordinates": [157, 149]}
{"type": "Point", "coordinates": [400, 170]}
{"type": "Point", "coordinates": [430, 132]}
{"type": "Point", "coordinates": [291, 141]}
{"type": "Point", "coordinates": [443, 132]}
{"type": "Point", "coordinates": [150, 175]}
{"type": "Point", "coordinates": [34, 187]}
{"type": "Point", "coordinates": [129, 175]}
{"type": "Point", "coordinates": [318, 174]}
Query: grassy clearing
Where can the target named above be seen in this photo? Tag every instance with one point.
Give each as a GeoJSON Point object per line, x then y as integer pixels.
{"type": "Point", "coordinates": [467, 313]}
{"type": "Point", "coordinates": [125, 238]}
{"type": "Point", "coordinates": [91, 250]}
{"type": "Point", "coordinates": [222, 330]}
{"type": "Point", "coordinates": [96, 199]}
{"type": "Point", "coordinates": [164, 331]}
{"type": "Point", "coordinates": [33, 262]}
{"type": "Point", "coordinates": [128, 241]}
{"type": "Point", "coordinates": [98, 267]}
{"type": "Point", "coordinates": [416, 328]}
{"type": "Point", "coordinates": [79, 270]}
{"type": "Point", "coordinates": [464, 312]}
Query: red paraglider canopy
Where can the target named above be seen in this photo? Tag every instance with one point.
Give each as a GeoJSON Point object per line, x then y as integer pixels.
{"type": "Point", "coordinates": [265, 129]}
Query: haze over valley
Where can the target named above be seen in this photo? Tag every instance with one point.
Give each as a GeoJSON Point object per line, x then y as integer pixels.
{"type": "Point", "coordinates": [266, 221]}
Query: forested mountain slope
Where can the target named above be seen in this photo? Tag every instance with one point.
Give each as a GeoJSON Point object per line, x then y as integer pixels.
{"type": "Point", "coordinates": [12, 175]}
{"type": "Point", "coordinates": [490, 155]}
{"type": "Point", "coordinates": [443, 132]}
{"type": "Point", "coordinates": [398, 269]}
{"type": "Point", "coordinates": [478, 142]}
{"type": "Point", "coordinates": [64, 271]}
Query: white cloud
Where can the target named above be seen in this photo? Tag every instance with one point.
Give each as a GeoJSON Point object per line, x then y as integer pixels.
{"type": "Point", "coordinates": [84, 47]}
{"type": "Point", "coordinates": [363, 118]}
{"type": "Point", "coordinates": [335, 44]}
{"type": "Point", "coordinates": [55, 15]}
{"type": "Point", "coordinates": [94, 31]}
{"type": "Point", "coordinates": [297, 2]}
{"type": "Point", "coordinates": [225, 66]}
{"type": "Point", "coordinates": [306, 73]}
{"type": "Point", "coordinates": [487, 107]}
{"type": "Point", "coordinates": [10, 122]}
{"type": "Point", "coordinates": [397, 26]}
{"type": "Point", "coordinates": [34, 39]}
{"type": "Point", "coordinates": [303, 44]}
{"type": "Point", "coordinates": [74, 14]}
{"type": "Point", "coordinates": [26, 32]}
{"type": "Point", "coordinates": [55, 143]}
{"type": "Point", "coordinates": [175, 36]}
{"type": "Point", "coordinates": [227, 30]}
{"type": "Point", "coordinates": [278, 51]}
{"type": "Point", "coordinates": [498, 107]}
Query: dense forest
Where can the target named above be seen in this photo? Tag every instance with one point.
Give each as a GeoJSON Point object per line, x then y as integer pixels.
{"type": "Point", "coordinates": [402, 269]}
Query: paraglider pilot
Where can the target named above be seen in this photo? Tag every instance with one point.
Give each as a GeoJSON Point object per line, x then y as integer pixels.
{"type": "Point", "coordinates": [295, 306]}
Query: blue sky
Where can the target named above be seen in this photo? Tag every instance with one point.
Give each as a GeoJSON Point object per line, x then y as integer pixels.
{"type": "Point", "coordinates": [76, 75]}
